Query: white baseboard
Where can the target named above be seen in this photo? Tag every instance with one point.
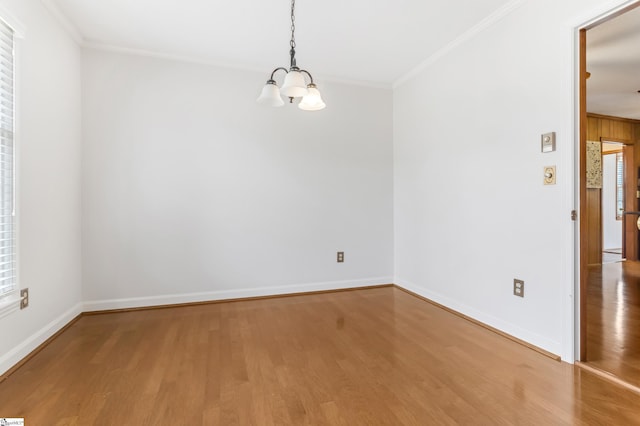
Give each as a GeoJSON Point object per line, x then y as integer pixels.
{"type": "Point", "coordinates": [18, 353]}
{"type": "Point", "coordinates": [506, 327]}
{"type": "Point", "coordinates": [172, 299]}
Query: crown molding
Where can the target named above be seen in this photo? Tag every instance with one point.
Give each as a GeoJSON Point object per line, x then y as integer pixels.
{"type": "Point", "coordinates": [18, 27]}
{"type": "Point", "coordinates": [105, 47]}
{"type": "Point", "coordinates": [69, 26]}
{"type": "Point", "coordinates": [74, 32]}
{"type": "Point", "coordinates": [487, 22]}
{"type": "Point", "coordinates": [601, 13]}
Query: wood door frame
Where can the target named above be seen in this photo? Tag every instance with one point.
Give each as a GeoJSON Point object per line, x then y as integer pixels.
{"type": "Point", "coordinates": [630, 249]}
{"type": "Point", "coordinates": [629, 246]}
{"type": "Point", "coordinates": [582, 69]}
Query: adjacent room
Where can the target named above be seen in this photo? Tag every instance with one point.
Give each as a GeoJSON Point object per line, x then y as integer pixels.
{"type": "Point", "coordinates": [301, 212]}
{"type": "Point", "coordinates": [613, 126]}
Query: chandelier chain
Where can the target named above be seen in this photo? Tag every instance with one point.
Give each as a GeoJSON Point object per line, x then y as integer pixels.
{"type": "Point", "coordinates": [293, 24]}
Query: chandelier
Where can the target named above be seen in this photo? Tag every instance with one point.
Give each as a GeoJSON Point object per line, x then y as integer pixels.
{"type": "Point", "coordinates": [295, 85]}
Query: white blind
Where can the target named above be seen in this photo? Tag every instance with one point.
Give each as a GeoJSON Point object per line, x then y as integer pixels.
{"type": "Point", "coordinates": [619, 185]}
{"type": "Point", "coordinates": [7, 169]}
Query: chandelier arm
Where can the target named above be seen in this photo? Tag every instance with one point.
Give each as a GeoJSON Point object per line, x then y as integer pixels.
{"type": "Point", "coordinates": [309, 74]}
{"type": "Point", "coordinates": [276, 70]}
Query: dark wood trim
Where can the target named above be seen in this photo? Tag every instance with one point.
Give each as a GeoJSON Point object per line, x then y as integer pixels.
{"type": "Point", "coordinates": [583, 195]}
{"type": "Point", "coordinates": [630, 185]}
{"type": "Point", "coordinates": [483, 325]}
{"type": "Point", "coordinates": [40, 347]}
{"type": "Point", "coordinates": [608, 376]}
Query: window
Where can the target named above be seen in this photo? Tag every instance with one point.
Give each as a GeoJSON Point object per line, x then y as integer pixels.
{"type": "Point", "coordinates": [619, 185]}
{"type": "Point", "coordinates": [7, 165]}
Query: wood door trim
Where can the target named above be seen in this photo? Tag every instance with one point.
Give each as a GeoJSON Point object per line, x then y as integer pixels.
{"type": "Point", "coordinates": [629, 230]}
{"type": "Point", "coordinates": [616, 140]}
{"type": "Point", "coordinates": [608, 376]}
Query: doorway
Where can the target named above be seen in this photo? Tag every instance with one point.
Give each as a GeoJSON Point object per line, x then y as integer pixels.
{"type": "Point", "coordinates": [612, 202]}
{"type": "Point", "coordinates": [609, 196]}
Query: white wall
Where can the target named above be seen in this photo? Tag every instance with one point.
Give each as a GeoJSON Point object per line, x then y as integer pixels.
{"type": "Point", "coordinates": [48, 165]}
{"type": "Point", "coordinates": [192, 191]}
{"type": "Point", "coordinates": [471, 212]}
{"type": "Point", "coordinates": [611, 228]}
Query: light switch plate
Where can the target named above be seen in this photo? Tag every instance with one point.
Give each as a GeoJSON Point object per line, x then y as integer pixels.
{"type": "Point", "coordinates": [549, 175]}
{"type": "Point", "coordinates": [548, 142]}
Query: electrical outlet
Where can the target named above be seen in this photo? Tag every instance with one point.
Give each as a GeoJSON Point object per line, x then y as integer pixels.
{"type": "Point", "coordinates": [24, 298]}
{"type": "Point", "coordinates": [340, 257]}
{"type": "Point", "coordinates": [518, 287]}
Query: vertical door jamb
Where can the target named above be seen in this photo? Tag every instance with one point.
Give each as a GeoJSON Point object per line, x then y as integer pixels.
{"type": "Point", "coordinates": [583, 195]}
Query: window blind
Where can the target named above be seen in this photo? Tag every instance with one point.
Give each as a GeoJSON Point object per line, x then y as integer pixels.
{"type": "Point", "coordinates": [7, 165]}
{"type": "Point", "coordinates": [619, 185]}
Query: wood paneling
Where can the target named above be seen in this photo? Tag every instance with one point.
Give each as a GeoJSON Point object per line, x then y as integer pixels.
{"type": "Point", "coordinates": [593, 129]}
{"type": "Point", "coordinates": [616, 129]}
{"type": "Point", "coordinates": [600, 128]}
{"type": "Point", "coordinates": [378, 356]}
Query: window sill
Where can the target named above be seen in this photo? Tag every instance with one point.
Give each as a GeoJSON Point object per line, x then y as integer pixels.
{"type": "Point", "coordinates": [9, 304]}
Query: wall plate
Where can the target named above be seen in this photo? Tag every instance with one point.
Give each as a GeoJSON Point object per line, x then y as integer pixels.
{"type": "Point", "coordinates": [548, 142]}
{"type": "Point", "coordinates": [518, 287]}
{"type": "Point", "coordinates": [549, 175]}
{"type": "Point", "coordinates": [24, 298]}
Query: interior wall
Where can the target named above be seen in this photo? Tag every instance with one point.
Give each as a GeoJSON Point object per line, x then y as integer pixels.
{"type": "Point", "coordinates": [193, 192]}
{"type": "Point", "coordinates": [611, 227]}
{"type": "Point", "coordinates": [471, 210]}
{"type": "Point", "coordinates": [48, 134]}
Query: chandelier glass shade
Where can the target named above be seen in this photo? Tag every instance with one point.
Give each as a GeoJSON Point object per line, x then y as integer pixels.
{"type": "Point", "coordinates": [295, 84]}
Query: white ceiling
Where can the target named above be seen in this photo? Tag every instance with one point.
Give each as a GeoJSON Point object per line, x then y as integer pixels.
{"type": "Point", "coordinates": [367, 41]}
{"type": "Point", "coordinates": [613, 59]}
{"type": "Point", "coordinates": [374, 42]}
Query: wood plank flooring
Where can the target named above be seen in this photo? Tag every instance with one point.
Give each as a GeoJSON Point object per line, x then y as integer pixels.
{"type": "Point", "coordinates": [365, 357]}
{"type": "Point", "coordinates": [613, 319]}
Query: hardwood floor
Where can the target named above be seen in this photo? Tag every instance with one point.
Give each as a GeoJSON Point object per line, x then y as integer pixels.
{"type": "Point", "coordinates": [376, 356]}
{"type": "Point", "coordinates": [613, 319]}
